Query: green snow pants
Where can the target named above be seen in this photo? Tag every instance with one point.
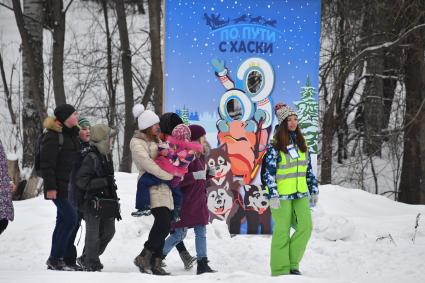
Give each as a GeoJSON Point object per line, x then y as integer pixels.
{"type": "Point", "coordinates": [286, 251]}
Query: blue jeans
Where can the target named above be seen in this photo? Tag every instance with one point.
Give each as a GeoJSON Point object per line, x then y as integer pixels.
{"type": "Point", "coordinates": [66, 220]}
{"type": "Point", "coordinates": [143, 199]}
{"type": "Point", "coordinates": [179, 235]}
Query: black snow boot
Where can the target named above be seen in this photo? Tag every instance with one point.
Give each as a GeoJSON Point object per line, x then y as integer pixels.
{"type": "Point", "coordinates": [143, 261]}
{"type": "Point", "coordinates": [203, 266]}
{"type": "Point", "coordinates": [57, 264]}
{"type": "Point", "coordinates": [295, 272]}
{"type": "Point", "coordinates": [187, 259]}
{"type": "Point", "coordinates": [157, 267]}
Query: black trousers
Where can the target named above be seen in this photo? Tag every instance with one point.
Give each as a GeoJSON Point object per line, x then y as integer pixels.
{"type": "Point", "coordinates": [159, 231]}
{"type": "Point", "coordinates": [3, 224]}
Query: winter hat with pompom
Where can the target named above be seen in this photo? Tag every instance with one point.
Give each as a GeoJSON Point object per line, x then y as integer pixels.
{"type": "Point", "coordinates": [283, 112]}
{"type": "Point", "coordinates": [145, 118]}
{"type": "Point", "coordinates": [181, 132]}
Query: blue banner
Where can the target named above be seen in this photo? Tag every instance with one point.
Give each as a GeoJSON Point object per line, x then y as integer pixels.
{"type": "Point", "coordinates": [227, 63]}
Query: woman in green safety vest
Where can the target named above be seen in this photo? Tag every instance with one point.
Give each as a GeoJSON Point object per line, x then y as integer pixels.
{"type": "Point", "coordinates": [292, 186]}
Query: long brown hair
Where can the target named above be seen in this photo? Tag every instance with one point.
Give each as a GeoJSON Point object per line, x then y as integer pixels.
{"type": "Point", "coordinates": [281, 137]}
{"type": "Point", "coordinates": [150, 135]}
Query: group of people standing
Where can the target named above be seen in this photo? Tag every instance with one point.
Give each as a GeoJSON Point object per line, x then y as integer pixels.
{"type": "Point", "coordinates": [76, 165]}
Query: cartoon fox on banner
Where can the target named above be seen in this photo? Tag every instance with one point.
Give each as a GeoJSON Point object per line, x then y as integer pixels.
{"type": "Point", "coordinates": [226, 63]}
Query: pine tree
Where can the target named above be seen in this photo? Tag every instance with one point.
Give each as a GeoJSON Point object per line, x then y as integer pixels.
{"type": "Point", "coordinates": [308, 115]}
{"type": "Point", "coordinates": [185, 115]}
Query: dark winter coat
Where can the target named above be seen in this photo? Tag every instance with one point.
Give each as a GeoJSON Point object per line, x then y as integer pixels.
{"type": "Point", "coordinates": [194, 210]}
{"type": "Point", "coordinates": [6, 205]}
{"type": "Point", "coordinates": [95, 178]}
{"type": "Point", "coordinates": [55, 164]}
{"type": "Point", "coordinates": [74, 194]}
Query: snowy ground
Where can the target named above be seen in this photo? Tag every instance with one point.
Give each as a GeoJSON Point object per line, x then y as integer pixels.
{"type": "Point", "coordinates": [343, 248]}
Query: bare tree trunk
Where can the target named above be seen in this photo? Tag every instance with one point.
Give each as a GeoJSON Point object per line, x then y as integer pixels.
{"type": "Point", "coordinates": [412, 185]}
{"type": "Point", "coordinates": [154, 90]}
{"type": "Point", "coordinates": [125, 165]}
{"type": "Point", "coordinates": [7, 93]}
{"type": "Point", "coordinates": [58, 47]}
{"type": "Point", "coordinates": [327, 138]}
{"type": "Point", "coordinates": [33, 112]}
{"type": "Point", "coordinates": [373, 106]}
{"type": "Point", "coordinates": [110, 85]}
{"type": "Point", "coordinates": [389, 85]}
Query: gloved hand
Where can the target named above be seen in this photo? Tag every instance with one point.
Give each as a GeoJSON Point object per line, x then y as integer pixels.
{"type": "Point", "coordinates": [218, 65]}
{"type": "Point", "coordinates": [274, 202]}
{"type": "Point", "coordinates": [200, 175]}
{"type": "Point", "coordinates": [211, 171]}
{"type": "Point", "coordinates": [313, 200]}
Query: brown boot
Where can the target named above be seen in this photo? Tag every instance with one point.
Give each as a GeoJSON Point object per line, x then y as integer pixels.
{"type": "Point", "coordinates": [143, 261]}
{"type": "Point", "coordinates": [157, 267]}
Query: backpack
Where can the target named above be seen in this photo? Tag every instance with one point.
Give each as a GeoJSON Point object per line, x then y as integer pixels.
{"type": "Point", "coordinates": [38, 145]}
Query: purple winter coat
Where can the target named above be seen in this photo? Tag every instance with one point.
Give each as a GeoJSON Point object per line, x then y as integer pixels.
{"type": "Point", "coordinates": [194, 210]}
{"type": "Point", "coordinates": [6, 206]}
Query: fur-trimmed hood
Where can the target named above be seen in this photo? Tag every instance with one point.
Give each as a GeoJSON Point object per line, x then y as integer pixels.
{"type": "Point", "coordinates": [50, 123]}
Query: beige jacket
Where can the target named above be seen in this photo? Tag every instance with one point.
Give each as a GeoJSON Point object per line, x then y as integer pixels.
{"type": "Point", "coordinates": [143, 153]}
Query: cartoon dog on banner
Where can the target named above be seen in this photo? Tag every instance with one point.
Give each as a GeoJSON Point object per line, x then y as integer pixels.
{"type": "Point", "coordinates": [245, 114]}
{"type": "Point", "coordinates": [257, 211]}
{"type": "Point", "coordinates": [226, 203]}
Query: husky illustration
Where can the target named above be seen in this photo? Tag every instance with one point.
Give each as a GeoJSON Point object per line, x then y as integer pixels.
{"type": "Point", "coordinates": [224, 199]}
{"type": "Point", "coordinates": [257, 211]}
{"type": "Point", "coordinates": [219, 162]}
{"type": "Point", "coordinates": [220, 203]}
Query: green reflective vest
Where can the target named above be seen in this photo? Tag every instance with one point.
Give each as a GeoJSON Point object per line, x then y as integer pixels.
{"type": "Point", "coordinates": [291, 174]}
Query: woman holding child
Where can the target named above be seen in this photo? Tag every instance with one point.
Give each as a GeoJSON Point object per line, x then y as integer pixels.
{"type": "Point", "coordinates": [144, 150]}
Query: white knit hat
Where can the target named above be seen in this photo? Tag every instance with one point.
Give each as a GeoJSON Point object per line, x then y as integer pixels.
{"type": "Point", "coordinates": [283, 112]}
{"type": "Point", "coordinates": [145, 118]}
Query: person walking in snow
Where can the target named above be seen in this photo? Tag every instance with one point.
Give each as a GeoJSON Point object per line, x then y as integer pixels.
{"type": "Point", "coordinates": [194, 210]}
{"type": "Point", "coordinates": [59, 149]}
{"type": "Point", "coordinates": [144, 150]}
{"type": "Point", "coordinates": [6, 188]}
{"type": "Point", "coordinates": [74, 194]}
{"type": "Point", "coordinates": [292, 189]}
{"type": "Point", "coordinates": [167, 122]}
{"type": "Point", "coordinates": [100, 207]}
{"type": "Point", "coordinates": [174, 156]}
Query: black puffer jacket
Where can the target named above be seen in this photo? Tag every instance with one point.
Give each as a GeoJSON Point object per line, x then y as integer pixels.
{"type": "Point", "coordinates": [55, 164]}
{"type": "Point", "coordinates": [74, 194]}
{"type": "Point", "coordinates": [95, 178]}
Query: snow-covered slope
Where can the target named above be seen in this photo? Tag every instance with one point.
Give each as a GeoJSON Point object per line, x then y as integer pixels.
{"type": "Point", "coordinates": [343, 248]}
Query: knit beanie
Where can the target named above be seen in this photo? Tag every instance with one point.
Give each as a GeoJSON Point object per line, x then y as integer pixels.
{"type": "Point", "coordinates": [284, 112]}
{"type": "Point", "coordinates": [181, 132]}
{"type": "Point", "coordinates": [83, 122]}
{"type": "Point", "coordinates": [63, 111]}
{"type": "Point", "coordinates": [196, 132]}
{"type": "Point", "coordinates": [168, 122]}
{"type": "Point", "coordinates": [145, 118]}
